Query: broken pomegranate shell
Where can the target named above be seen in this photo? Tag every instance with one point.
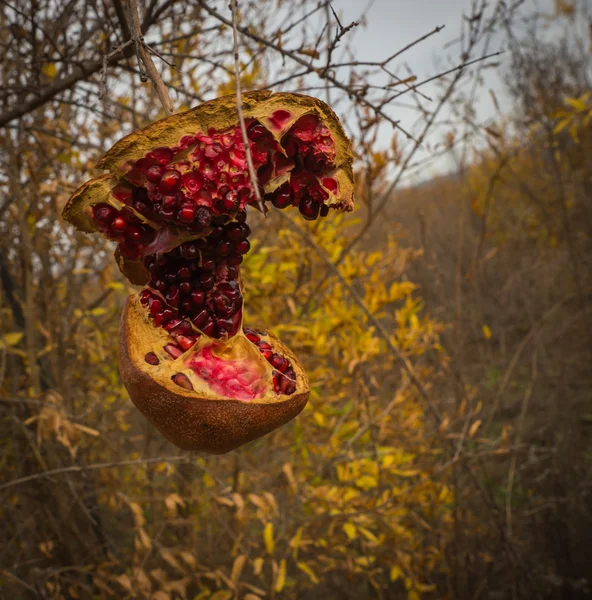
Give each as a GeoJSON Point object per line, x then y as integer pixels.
{"type": "Point", "coordinates": [175, 201]}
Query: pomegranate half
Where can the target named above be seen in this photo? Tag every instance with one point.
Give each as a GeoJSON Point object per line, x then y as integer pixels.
{"type": "Point", "coordinates": [174, 199]}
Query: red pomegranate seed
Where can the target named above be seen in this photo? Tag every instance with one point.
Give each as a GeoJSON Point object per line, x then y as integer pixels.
{"type": "Point", "coordinates": [224, 248]}
{"type": "Point", "coordinates": [263, 346]}
{"type": "Point", "coordinates": [198, 297]}
{"type": "Point", "coordinates": [234, 232]}
{"type": "Point", "coordinates": [118, 224]}
{"type": "Point", "coordinates": [171, 180]}
{"type": "Point", "coordinates": [187, 140]}
{"type": "Point", "coordinates": [172, 324]}
{"type": "Point", "coordinates": [209, 328]}
{"type": "Point", "coordinates": [193, 181]}
{"type": "Point", "coordinates": [185, 287]}
{"type": "Point", "coordinates": [230, 202]}
{"type": "Point", "coordinates": [173, 295]}
{"type": "Point", "coordinates": [163, 155]}
{"type": "Point", "coordinates": [103, 212]}
{"type": "Point", "coordinates": [186, 214]}
{"type": "Point", "coordinates": [207, 280]}
{"type": "Point", "coordinates": [324, 210]}
{"type": "Point", "coordinates": [283, 197]}
{"type": "Point", "coordinates": [184, 273]}
{"type": "Point", "coordinates": [134, 234]}
{"type": "Point", "coordinates": [241, 217]}
{"type": "Point", "coordinates": [201, 318]}
{"type": "Point", "coordinates": [154, 173]}
{"type": "Point", "coordinates": [207, 264]}
{"type": "Point", "coordinates": [151, 358]}
{"type": "Point", "coordinates": [123, 193]}
{"type": "Point", "coordinates": [308, 208]}
{"type": "Point", "coordinates": [183, 328]}
{"type": "Point", "coordinates": [267, 354]}
{"type": "Point", "coordinates": [183, 381]}
{"type": "Point", "coordinates": [186, 306]}
{"type": "Point", "coordinates": [185, 342]}
{"type": "Point", "coordinates": [279, 362]}
{"type": "Point", "coordinates": [286, 386]}
{"type": "Point", "coordinates": [145, 297]}
{"type": "Point", "coordinates": [167, 315]}
{"type": "Point", "coordinates": [189, 250]}
{"type": "Point", "coordinates": [155, 307]}
{"type": "Point", "coordinates": [256, 131]}
{"type": "Point", "coordinates": [253, 337]}
{"type": "Point", "coordinates": [173, 350]}
{"type": "Point", "coordinates": [276, 381]}
{"type": "Point", "coordinates": [242, 247]}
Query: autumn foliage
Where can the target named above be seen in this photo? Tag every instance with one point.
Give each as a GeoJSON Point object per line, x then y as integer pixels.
{"type": "Point", "coordinates": [444, 328]}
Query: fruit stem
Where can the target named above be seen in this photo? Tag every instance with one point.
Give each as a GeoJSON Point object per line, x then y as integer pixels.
{"type": "Point", "coordinates": [239, 109]}
{"type": "Point", "coordinates": [145, 63]}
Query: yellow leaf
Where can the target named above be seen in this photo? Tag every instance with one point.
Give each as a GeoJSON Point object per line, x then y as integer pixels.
{"type": "Point", "coordinates": [306, 569]}
{"type": "Point", "coordinates": [49, 70]}
{"type": "Point", "coordinates": [237, 568]}
{"type": "Point", "coordinates": [268, 538]}
{"type": "Point", "coordinates": [366, 482]}
{"type": "Point", "coordinates": [577, 104]}
{"type": "Point", "coordinates": [369, 535]}
{"type": "Point", "coordinates": [221, 595]}
{"type": "Point", "coordinates": [350, 530]}
{"type": "Point", "coordinates": [295, 542]}
{"type": "Point", "coordinates": [474, 427]}
{"type": "Point", "coordinates": [309, 52]}
{"type": "Point", "coordinates": [257, 566]}
{"type": "Point", "coordinates": [11, 339]}
{"type": "Point", "coordinates": [88, 430]}
{"type": "Point", "coordinates": [172, 501]}
{"type": "Point", "coordinates": [412, 595]}
{"type": "Point", "coordinates": [319, 419]}
{"type": "Point", "coordinates": [125, 582]}
{"type": "Point", "coordinates": [281, 578]}
{"type": "Point", "coordinates": [396, 573]}
{"type": "Point", "coordinates": [486, 332]}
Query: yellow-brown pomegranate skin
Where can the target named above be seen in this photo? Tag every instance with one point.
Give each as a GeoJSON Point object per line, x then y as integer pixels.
{"type": "Point", "coordinates": [200, 424]}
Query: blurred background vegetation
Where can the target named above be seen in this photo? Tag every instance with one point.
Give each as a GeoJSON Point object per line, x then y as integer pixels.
{"type": "Point", "coordinates": [445, 325]}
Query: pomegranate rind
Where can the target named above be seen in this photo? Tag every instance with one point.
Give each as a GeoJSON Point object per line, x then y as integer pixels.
{"type": "Point", "coordinates": [195, 422]}
{"type": "Point", "coordinates": [77, 209]}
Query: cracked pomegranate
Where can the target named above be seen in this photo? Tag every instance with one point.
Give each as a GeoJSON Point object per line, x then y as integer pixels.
{"type": "Point", "coordinates": [175, 201]}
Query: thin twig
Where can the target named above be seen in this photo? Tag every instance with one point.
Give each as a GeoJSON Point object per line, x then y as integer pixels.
{"type": "Point", "coordinates": [239, 109]}
{"type": "Point", "coordinates": [93, 467]}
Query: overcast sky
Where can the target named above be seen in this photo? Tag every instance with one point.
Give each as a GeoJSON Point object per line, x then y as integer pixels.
{"type": "Point", "coordinates": [392, 24]}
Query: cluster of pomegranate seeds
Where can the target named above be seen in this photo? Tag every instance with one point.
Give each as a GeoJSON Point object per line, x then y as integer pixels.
{"type": "Point", "coordinates": [204, 176]}
{"type": "Point", "coordinates": [124, 227]}
{"type": "Point", "coordinates": [284, 376]}
{"type": "Point", "coordinates": [197, 282]}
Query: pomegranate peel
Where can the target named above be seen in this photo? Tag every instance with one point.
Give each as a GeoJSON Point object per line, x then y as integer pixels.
{"type": "Point", "coordinates": [197, 420]}
{"type": "Point", "coordinates": [175, 202]}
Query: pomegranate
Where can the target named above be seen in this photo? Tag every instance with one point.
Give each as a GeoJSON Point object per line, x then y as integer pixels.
{"type": "Point", "coordinates": [175, 200]}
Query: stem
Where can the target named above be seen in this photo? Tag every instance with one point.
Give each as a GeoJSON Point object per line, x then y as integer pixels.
{"type": "Point", "coordinates": [146, 64]}
{"type": "Point", "coordinates": [239, 109]}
